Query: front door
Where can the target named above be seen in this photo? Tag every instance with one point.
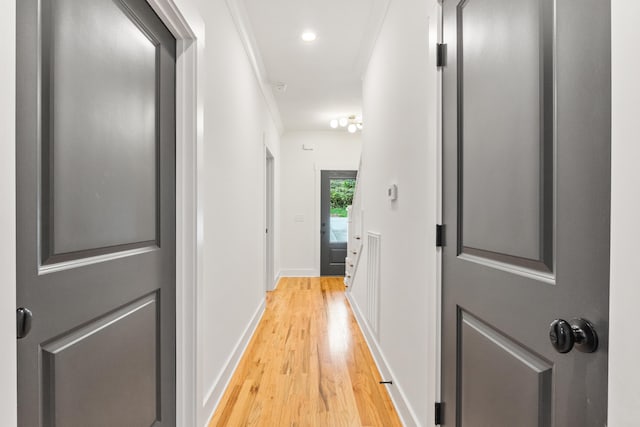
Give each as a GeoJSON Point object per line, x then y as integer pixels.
{"type": "Point", "coordinates": [337, 188]}
{"type": "Point", "coordinates": [526, 137]}
{"type": "Point", "coordinates": [96, 214]}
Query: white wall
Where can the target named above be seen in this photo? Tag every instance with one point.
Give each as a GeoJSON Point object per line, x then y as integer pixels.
{"type": "Point", "coordinates": [399, 146]}
{"type": "Point", "coordinates": [8, 367]}
{"type": "Point", "coordinates": [624, 347]}
{"type": "Point", "coordinates": [235, 119]}
{"type": "Point", "coordinates": [300, 193]}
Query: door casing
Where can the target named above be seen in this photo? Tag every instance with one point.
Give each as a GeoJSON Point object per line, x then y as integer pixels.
{"type": "Point", "coordinates": [189, 171]}
{"type": "Point", "coordinates": [316, 220]}
{"type": "Point", "coordinates": [269, 256]}
{"type": "Point", "coordinates": [326, 176]}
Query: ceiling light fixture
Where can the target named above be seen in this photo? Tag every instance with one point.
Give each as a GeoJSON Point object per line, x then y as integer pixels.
{"type": "Point", "coordinates": [352, 123]}
{"type": "Point", "coordinates": [309, 36]}
{"type": "Point", "coordinates": [280, 87]}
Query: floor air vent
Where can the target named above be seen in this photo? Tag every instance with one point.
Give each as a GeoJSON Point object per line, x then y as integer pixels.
{"type": "Point", "coordinates": [373, 280]}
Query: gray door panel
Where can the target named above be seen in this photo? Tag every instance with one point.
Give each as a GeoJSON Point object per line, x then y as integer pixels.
{"type": "Point", "coordinates": [490, 365]}
{"type": "Point", "coordinates": [333, 246]}
{"type": "Point", "coordinates": [503, 212]}
{"type": "Point", "coordinates": [81, 394]}
{"type": "Point", "coordinates": [506, 61]}
{"type": "Point", "coordinates": [102, 92]}
{"type": "Point", "coordinates": [526, 151]}
{"type": "Point", "coordinates": [96, 213]}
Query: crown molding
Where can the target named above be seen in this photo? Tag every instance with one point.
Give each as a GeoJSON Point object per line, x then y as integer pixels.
{"type": "Point", "coordinates": [240, 18]}
{"type": "Point", "coordinates": [370, 37]}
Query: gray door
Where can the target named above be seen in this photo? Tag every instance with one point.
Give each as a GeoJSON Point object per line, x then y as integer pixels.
{"type": "Point", "coordinates": [96, 214]}
{"type": "Point", "coordinates": [526, 208]}
{"type": "Point", "coordinates": [333, 220]}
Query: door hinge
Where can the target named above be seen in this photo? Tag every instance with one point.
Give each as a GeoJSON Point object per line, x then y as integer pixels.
{"type": "Point", "coordinates": [441, 54]}
{"type": "Point", "coordinates": [438, 413]}
{"type": "Point", "coordinates": [439, 235]}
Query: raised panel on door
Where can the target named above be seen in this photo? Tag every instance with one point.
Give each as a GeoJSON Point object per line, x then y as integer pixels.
{"type": "Point", "coordinates": [96, 213]}
{"type": "Point", "coordinates": [501, 383]}
{"type": "Point", "coordinates": [84, 389]}
{"type": "Point", "coordinates": [526, 177]}
{"type": "Point", "coordinates": [101, 181]}
{"type": "Point", "coordinates": [505, 120]}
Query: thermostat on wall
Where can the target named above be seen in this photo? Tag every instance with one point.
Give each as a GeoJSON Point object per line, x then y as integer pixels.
{"type": "Point", "coordinates": [392, 192]}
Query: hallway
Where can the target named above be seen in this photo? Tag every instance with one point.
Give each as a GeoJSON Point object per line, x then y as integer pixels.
{"type": "Point", "coordinates": [164, 220]}
{"type": "Point", "coordinates": [307, 364]}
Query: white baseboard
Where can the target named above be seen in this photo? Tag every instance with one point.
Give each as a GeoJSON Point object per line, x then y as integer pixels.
{"type": "Point", "coordinates": [213, 397]}
{"type": "Point", "coordinates": [299, 272]}
{"type": "Point", "coordinates": [406, 413]}
{"type": "Point", "coordinates": [276, 280]}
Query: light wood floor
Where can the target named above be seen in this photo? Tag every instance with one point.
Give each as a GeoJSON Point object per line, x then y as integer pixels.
{"type": "Point", "coordinates": [306, 365]}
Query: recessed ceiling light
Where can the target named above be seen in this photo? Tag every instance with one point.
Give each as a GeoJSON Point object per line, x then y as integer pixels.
{"type": "Point", "coordinates": [308, 36]}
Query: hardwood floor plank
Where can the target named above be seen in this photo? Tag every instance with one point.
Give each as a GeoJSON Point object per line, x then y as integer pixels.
{"type": "Point", "coordinates": [306, 365]}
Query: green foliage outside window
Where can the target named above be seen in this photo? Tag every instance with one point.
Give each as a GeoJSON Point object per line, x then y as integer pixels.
{"type": "Point", "coordinates": [341, 196]}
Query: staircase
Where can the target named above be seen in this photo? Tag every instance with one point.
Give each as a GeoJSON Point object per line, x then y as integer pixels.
{"type": "Point", "coordinates": [355, 240]}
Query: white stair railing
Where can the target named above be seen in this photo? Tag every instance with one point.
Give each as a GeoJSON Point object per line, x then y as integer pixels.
{"type": "Point", "coordinates": [355, 240]}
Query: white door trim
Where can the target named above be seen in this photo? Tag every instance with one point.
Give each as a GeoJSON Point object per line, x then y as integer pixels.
{"type": "Point", "coordinates": [8, 357]}
{"type": "Point", "coordinates": [435, 37]}
{"type": "Point", "coordinates": [269, 216]}
{"type": "Point", "coordinates": [188, 220]}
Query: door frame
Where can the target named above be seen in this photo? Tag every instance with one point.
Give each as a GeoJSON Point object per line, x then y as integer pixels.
{"type": "Point", "coordinates": [435, 35]}
{"type": "Point", "coordinates": [318, 214]}
{"type": "Point", "coordinates": [269, 218]}
{"type": "Point", "coordinates": [189, 143]}
{"type": "Point", "coordinates": [8, 358]}
{"type": "Point", "coordinates": [189, 170]}
{"type": "Point", "coordinates": [317, 242]}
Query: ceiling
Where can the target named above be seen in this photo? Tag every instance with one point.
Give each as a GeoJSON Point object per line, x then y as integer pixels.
{"type": "Point", "coordinates": [323, 78]}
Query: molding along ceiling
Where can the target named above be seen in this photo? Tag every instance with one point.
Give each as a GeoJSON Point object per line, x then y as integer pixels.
{"type": "Point", "coordinates": [241, 21]}
{"type": "Point", "coordinates": [310, 83]}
